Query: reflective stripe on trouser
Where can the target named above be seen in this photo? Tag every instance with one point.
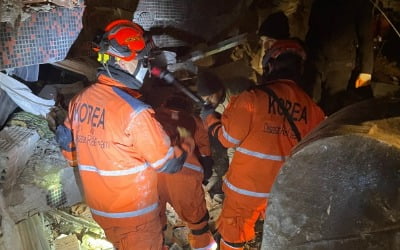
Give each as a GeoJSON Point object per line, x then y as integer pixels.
{"type": "Point", "coordinates": [223, 245]}
{"type": "Point", "coordinates": [212, 246]}
{"type": "Point", "coordinates": [135, 213]}
{"type": "Point", "coordinates": [145, 236]}
{"type": "Point", "coordinates": [238, 216]}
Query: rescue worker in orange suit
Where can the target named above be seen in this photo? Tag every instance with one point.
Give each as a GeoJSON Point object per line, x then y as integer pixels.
{"type": "Point", "coordinates": [183, 190]}
{"type": "Point", "coordinates": [118, 145]}
{"type": "Point", "coordinates": [218, 93]}
{"type": "Point", "coordinates": [254, 123]}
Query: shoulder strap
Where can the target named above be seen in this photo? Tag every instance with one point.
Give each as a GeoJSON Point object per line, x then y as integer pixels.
{"type": "Point", "coordinates": [270, 92]}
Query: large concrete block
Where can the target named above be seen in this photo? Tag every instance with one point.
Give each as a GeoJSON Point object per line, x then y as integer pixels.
{"type": "Point", "coordinates": [47, 182]}
{"type": "Point", "coordinates": [16, 146]}
{"type": "Point", "coordinates": [340, 188]}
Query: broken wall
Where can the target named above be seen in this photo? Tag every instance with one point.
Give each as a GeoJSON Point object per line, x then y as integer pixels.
{"type": "Point", "coordinates": [45, 36]}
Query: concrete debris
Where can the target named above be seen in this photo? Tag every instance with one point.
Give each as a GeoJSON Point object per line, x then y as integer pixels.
{"type": "Point", "coordinates": [32, 233]}
{"type": "Point", "coordinates": [81, 210]}
{"type": "Point", "coordinates": [79, 223]}
{"type": "Point", "coordinates": [7, 106]}
{"type": "Point", "coordinates": [352, 159]}
{"type": "Point", "coordinates": [31, 121]}
{"type": "Point", "coordinates": [45, 182]}
{"type": "Point", "coordinates": [180, 236]}
{"type": "Point", "coordinates": [16, 146]}
{"type": "Point", "coordinates": [9, 239]}
{"type": "Point", "coordinates": [82, 66]}
{"type": "Point", "coordinates": [89, 242]}
{"type": "Point", "coordinates": [10, 11]}
{"type": "Point", "coordinates": [67, 242]}
{"type": "Point", "coordinates": [65, 3]}
{"type": "Point", "coordinates": [175, 247]}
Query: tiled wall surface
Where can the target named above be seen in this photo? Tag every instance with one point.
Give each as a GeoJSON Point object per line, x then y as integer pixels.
{"type": "Point", "coordinates": [45, 37]}
{"type": "Point", "coordinates": [162, 13]}
{"type": "Point", "coordinates": [184, 22]}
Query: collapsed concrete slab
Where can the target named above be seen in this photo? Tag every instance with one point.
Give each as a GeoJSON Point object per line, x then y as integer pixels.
{"type": "Point", "coordinates": [16, 146]}
{"type": "Point", "coordinates": [35, 178]}
{"type": "Point", "coordinates": [46, 182]}
{"type": "Point", "coordinates": [340, 189]}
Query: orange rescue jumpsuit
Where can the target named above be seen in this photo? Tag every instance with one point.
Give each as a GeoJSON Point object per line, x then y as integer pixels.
{"type": "Point", "coordinates": [254, 123]}
{"type": "Point", "coordinates": [117, 144]}
{"type": "Point", "coordinates": [183, 190]}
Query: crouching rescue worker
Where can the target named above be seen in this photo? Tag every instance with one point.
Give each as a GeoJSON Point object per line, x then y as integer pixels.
{"type": "Point", "coordinates": [256, 123]}
{"type": "Point", "coordinates": [183, 190]}
{"type": "Point", "coordinates": [217, 93]}
{"type": "Point", "coordinates": [118, 145]}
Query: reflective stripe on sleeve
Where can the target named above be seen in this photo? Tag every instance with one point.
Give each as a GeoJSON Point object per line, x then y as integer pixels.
{"type": "Point", "coordinates": [133, 170]}
{"type": "Point", "coordinates": [244, 191]}
{"type": "Point", "coordinates": [193, 167]}
{"type": "Point", "coordinates": [161, 162]}
{"type": "Point", "coordinates": [261, 155]}
{"type": "Point", "coordinates": [126, 214]}
{"type": "Point", "coordinates": [228, 137]}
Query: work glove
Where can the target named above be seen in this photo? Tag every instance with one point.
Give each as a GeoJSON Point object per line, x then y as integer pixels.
{"type": "Point", "coordinates": [362, 80]}
{"type": "Point", "coordinates": [206, 110]}
{"type": "Point", "coordinates": [207, 162]}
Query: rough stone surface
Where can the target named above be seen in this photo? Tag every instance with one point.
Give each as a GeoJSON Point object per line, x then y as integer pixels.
{"type": "Point", "coordinates": [69, 242]}
{"type": "Point", "coordinates": [7, 106]}
{"type": "Point", "coordinates": [46, 182]}
{"type": "Point", "coordinates": [16, 146]}
{"type": "Point", "coordinates": [340, 187]}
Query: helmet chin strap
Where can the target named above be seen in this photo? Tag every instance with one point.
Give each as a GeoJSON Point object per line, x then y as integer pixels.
{"type": "Point", "coordinates": [131, 80]}
{"type": "Point", "coordinates": [105, 65]}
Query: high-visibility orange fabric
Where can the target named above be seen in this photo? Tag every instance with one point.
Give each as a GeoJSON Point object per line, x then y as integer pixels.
{"type": "Point", "coordinates": [239, 215]}
{"type": "Point", "coordinates": [118, 144]}
{"type": "Point", "coordinates": [146, 236]}
{"type": "Point", "coordinates": [171, 119]}
{"type": "Point", "coordinates": [183, 190]}
{"type": "Point", "coordinates": [254, 123]}
{"type": "Point", "coordinates": [201, 137]}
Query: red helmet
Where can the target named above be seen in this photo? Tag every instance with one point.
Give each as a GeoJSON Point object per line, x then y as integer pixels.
{"type": "Point", "coordinates": [123, 39]}
{"type": "Point", "coordinates": [281, 47]}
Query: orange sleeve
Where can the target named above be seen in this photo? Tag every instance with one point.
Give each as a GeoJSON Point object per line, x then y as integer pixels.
{"type": "Point", "coordinates": [151, 141]}
{"type": "Point", "coordinates": [201, 137]}
{"type": "Point", "coordinates": [235, 122]}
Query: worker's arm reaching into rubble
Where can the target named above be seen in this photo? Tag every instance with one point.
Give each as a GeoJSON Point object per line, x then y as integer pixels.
{"type": "Point", "coordinates": [234, 124]}
{"type": "Point", "coordinates": [65, 139]}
